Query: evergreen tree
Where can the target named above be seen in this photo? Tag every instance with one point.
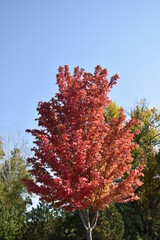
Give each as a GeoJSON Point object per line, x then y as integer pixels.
{"type": "Point", "coordinates": [110, 225]}
{"type": "Point", "coordinates": [40, 222]}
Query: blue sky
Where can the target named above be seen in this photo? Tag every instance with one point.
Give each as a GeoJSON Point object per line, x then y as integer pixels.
{"type": "Point", "coordinates": [36, 37]}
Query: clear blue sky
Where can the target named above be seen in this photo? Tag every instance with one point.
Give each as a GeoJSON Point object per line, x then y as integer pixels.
{"type": "Point", "coordinates": [37, 36]}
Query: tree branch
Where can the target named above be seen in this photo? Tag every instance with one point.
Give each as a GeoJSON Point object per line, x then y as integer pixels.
{"type": "Point", "coordinates": [94, 221]}
{"type": "Point", "coordinates": [83, 221]}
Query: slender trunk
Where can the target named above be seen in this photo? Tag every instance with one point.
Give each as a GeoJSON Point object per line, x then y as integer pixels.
{"type": "Point", "coordinates": [84, 215]}
{"type": "Point", "coordinates": [89, 234]}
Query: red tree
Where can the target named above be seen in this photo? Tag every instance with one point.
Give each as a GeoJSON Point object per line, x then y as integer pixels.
{"type": "Point", "coordinates": [81, 162]}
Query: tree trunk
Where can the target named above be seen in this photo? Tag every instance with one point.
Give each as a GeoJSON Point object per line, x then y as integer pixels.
{"type": "Point", "coordinates": [89, 234]}
{"type": "Point", "coordinates": [86, 222]}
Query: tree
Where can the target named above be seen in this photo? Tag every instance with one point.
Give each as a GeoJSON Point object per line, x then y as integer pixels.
{"type": "Point", "coordinates": [68, 226]}
{"type": "Point", "coordinates": [12, 190]}
{"type": "Point", "coordinates": [1, 150]}
{"type": "Point", "coordinates": [11, 223]}
{"type": "Point", "coordinates": [110, 225]}
{"type": "Point", "coordinates": [111, 111]}
{"type": "Point", "coordinates": [13, 195]}
{"type": "Point", "coordinates": [148, 140]}
{"type": "Point", "coordinates": [81, 162]}
{"type": "Point", "coordinates": [132, 220]}
{"type": "Point", "coordinates": [40, 223]}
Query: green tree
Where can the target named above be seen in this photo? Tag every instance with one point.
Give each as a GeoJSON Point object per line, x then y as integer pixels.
{"type": "Point", "coordinates": [156, 223]}
{"type": "Point", "coordinates": [13, 195]}
{"type": "Point", "coordinates": [150, 197]}
{"type": "Point", "coordinates": [11, 223]}
{"type": "Point", "coordinates": [132, 221]}
{"type": "Point", "coordinates": [12, 171]}
{"type": "Point", "coordinates": [110, 225]}
{"type": "Point", "coordinates": [1, 150]}
{"type": "Point", "coordinates": [148, 139]}
{"type": "Point", "coordinates": [144, 222]}
{"type": "Point", "coordinates": [69, 226]}
{"type": "Point", "coordinates": [111, 111]}
{"type": "Point", "coordinates": [40, 223]}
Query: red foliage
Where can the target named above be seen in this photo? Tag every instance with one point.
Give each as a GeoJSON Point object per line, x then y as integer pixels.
{"type": "Point", "coordinates": [79, 160]}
